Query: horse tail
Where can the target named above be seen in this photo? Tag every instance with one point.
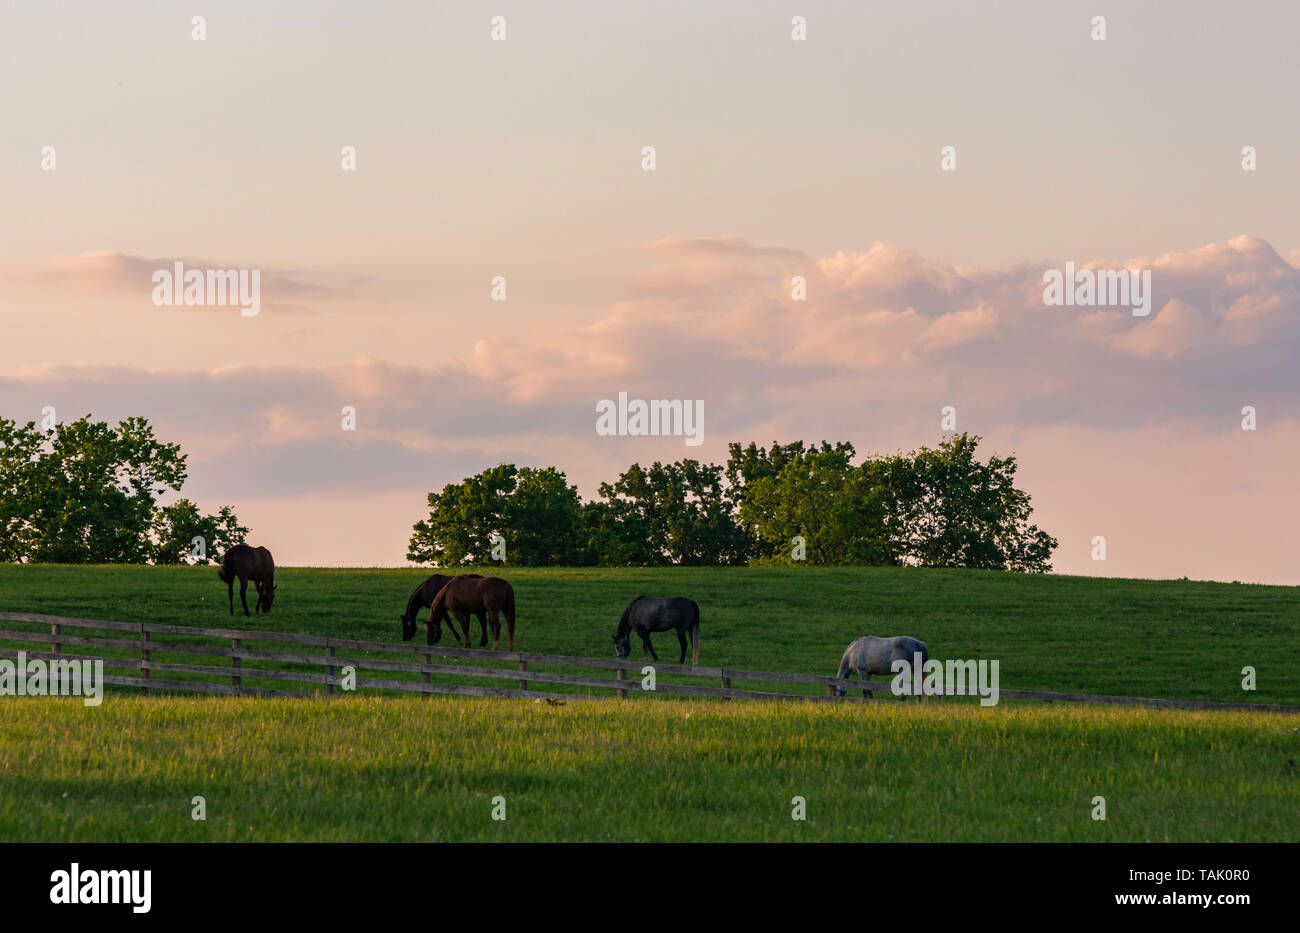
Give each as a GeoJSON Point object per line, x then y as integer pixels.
{"type": "Point", "coordinates": [695, 635]}
{"type": "Point", "coordinates": [509, 612]}
{"type": "Point", "coordinates": [846, 665]}
{"type": "Point", "coordinates": [223, 574]}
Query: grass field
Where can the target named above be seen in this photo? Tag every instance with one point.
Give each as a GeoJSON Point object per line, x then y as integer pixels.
{"type": "Point", "coordinates": [380, 768]}
{"type": "Point", "coordinates": [1171, 639]}
{"type": "Point", "coordinates": [388, 769]}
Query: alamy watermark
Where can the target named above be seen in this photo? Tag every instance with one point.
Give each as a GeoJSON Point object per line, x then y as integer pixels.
{"type": "Point", "coordinates": [37, 678]}
{"type": "Point", "coordinates": [946, 678]}
{"type": "Point", "coordinates": [76, 885]}
{"type": "Point", "coordinates": [655, 418]}
{"type": "Point", "coordinates": [1104, 288]}
{"type": "Point", "coordinates": [209, 288]}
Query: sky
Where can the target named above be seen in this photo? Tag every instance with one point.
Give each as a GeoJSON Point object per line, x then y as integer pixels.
{"type": "Point", "coordinates": [774, 158]}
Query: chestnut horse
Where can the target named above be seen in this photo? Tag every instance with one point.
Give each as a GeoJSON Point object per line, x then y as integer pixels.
{"type": "Point", "coordinates": [422, 598]}
{"type": "Point", "coordinates": [249, 563]}
{"type": "Point", "coordinates": [467, 595]}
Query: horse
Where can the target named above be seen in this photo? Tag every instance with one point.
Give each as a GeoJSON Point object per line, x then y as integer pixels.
{"type": "Point", "coordinates": [648, 614]}
{"type": "Point", "coordinates": [871, 655]}
{"type": "Point", "coordinates": [249, 563]}
{"type": "Point", "coordinates": [423, 597]}
{"type": "Point", "coordinates": [473, 595]}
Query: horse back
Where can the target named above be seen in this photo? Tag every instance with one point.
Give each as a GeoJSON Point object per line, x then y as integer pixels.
{"type": "Point", "coordinates": [877, 655]}
{"type": "Point", "coordinates": [659, 613]}
{"type": "Point", "coordinates": [242, 560]}
{"type": "Point", "coordinates": [474, 593]}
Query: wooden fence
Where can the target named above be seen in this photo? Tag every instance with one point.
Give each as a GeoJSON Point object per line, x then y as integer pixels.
{"type": "Point", "coordinates": [137, 650]}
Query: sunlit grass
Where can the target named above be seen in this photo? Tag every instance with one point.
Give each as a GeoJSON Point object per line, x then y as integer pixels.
{"type": "Point", "coordinates": [415, 769]}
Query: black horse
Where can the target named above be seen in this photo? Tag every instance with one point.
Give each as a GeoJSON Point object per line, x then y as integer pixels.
{"type": "Point", "coordinates": [423, 598]}
{"type": "Point", "coordinates": [249, 563]}
{"type": "Point", "coordinates": [648, 614]}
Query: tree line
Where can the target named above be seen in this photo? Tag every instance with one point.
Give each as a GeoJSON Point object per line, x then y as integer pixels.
{"type": "Point", "coordinates": [86, 492]}
{"type": "Point", "coordinates": [787, 504]}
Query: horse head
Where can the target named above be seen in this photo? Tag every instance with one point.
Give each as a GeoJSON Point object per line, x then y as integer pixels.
{"type": "Point", "coordinates": [408, 628]}
{"type": "Point", "coordinates": [622, 645]}
{"type": "Point", "coordinates": [267, 596]}
{"type": "Point", "coordinates": [433, 628]}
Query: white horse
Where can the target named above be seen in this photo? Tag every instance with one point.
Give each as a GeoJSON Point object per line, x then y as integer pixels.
{"type": "Point", "coordinates": [871, 655]}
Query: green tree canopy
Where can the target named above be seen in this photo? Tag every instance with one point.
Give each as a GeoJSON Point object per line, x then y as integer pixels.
{"type": "Point", "coordinates": [87, 492]}
{"type": "Point", "coordinates": [944, 508]}
{"type": "Point", "coordinates": [535, 511]}
{"type": "Point", "coordinates": [938, 507]}
{"type": "Point", "coordinates": [820, 496]}
{"type": "Point", "coordinates": [176, 527]}
{"type": "Point", "coordinates": [683, 511]}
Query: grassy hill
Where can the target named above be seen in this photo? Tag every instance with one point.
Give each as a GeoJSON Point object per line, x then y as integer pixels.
{"type": "Point", "coordinates": [406, 768]}
{"type": "Point", "coordinates": [1174, 639]}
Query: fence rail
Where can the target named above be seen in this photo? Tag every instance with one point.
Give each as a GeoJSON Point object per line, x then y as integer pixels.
{"type": "Point", "coordinates": [340, 653]}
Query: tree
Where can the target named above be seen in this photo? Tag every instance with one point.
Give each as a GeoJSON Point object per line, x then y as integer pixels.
{"type": "Point", "coordinates": [748, 465]}
{"type": "Point", "coordinates": [940, 507]}
{"type": "Point", "coordinates": [544, 519]}
{"type": "Point", "coordinates": [946, 509]}
{"type": "Point", "coordinates": [176, 526]}
{"type": "Point", "coordinates": [681, 509]}
{"type": "Point", "coordinates": [821, 496]}
{"type": "Point", "coordinates": [86, 492]}
{"type": "Point", "coordinates": [536, 512]}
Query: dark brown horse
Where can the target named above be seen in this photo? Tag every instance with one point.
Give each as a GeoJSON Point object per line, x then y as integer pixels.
{"type": "Point", "coordinates": [249, 563]}
{"type": "Point", "coordinates": [465, 596]}
{"type": "Point", "coordinates": [423, 597]}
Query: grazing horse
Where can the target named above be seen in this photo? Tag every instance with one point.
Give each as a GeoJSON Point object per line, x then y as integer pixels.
{"type": "Point", "coordinates": [473, 595]}
{"type": "Point", "coordinates": [871, 655]}
{"type": "Point", "coordinates": [648, 614]}
{"type": "Point", "coordinates": [423, 597]}
{"type": "Point", "coordinates": [249, 563]}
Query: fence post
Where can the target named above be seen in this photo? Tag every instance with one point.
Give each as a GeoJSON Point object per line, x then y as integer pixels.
{"type": "Point", "coordinates": [523, 669]}
{"type": "Point", "coordinates": [144, 658]}
{"type": "Point", "coordinates": [424, 672]}
{"type": "Point", "coordinates": [329, 669]}
{"type": "Point", "coordinates": [236, 663]}
{"type": "Point", "coordinates": [54, 638]}
{"type": "Point", "coordinates": [621, 674]}
{"type": "Point", "coordinates": [726, 685]}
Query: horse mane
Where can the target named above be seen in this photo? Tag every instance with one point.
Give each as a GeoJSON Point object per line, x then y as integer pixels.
{"type": "Point", "coordinates": [433, 603]}
{"type": "Point", "coordinates": [624, 625]}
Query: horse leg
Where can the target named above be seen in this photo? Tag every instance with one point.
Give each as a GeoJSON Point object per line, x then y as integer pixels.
{"type": "Point", "coordinates": [463, 616]}
{"type": "Point", "coordinates": [243, 594]}
{"type": "Point", "coordinates": [681, 637]}
{"type": "Point", "coordinates": [230, 591]}
{"type": "Point", "coordinates": [496, 627]}
{"type": "Point", "coordinates": [482, 631]}
{"type": "Point", "coordinates": [646, 647]}
{"type": "Point", "coordinates": [510, 627]}
{"type": "Point", "coordinates": [257, 586]}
